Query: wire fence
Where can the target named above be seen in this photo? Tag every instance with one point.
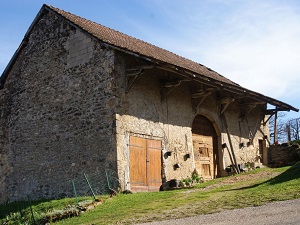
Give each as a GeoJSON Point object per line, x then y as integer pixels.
{"type": "Point", "coordinates": [87, 185]}
{"type": "Point", "coordinates": [93, 184]}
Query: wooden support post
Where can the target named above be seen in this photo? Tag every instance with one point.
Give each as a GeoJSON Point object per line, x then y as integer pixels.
{"type": "Point", "coordinates": [235, 166]}
{"type": "Point", "coordinates": [275, 127]}
{"type": "Point", "coordinates": [231, 160]}
{"type": "Point", "coordinates": [297, 129]}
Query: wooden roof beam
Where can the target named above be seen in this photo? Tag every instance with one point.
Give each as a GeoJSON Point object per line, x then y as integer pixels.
{"type": "Point", "coordinates": [233, 88]}
{"type": "Point", "coordinates": [137, 68]}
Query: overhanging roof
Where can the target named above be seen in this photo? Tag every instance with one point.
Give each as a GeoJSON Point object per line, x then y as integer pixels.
{"type": "Point", "coordinates": [160, 57]}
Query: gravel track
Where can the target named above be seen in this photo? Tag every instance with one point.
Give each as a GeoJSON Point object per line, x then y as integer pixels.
{"type": "Point", "coordinates": [275, 213]}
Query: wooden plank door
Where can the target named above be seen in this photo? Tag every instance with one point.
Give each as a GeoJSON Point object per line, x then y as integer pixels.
{"type": "Point", "coordinates": [138, 178]}
{"type": "Point", "coordinates": [145, 164]}
{"type": "Point", "coordinates": [154, 165]}
{"type": "Point", "coordinates": [203, 155]}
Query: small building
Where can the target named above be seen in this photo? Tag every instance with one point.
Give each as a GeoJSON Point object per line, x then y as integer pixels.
{"type": "Point", "coordinates": [80, 97]}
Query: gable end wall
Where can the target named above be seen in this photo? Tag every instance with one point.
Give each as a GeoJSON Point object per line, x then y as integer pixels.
{"type": "Point", "coordinates": [57, 110]}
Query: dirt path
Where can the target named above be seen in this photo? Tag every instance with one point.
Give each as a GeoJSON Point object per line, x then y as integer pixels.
{"type": "Point", "coordinates": [275, 213]}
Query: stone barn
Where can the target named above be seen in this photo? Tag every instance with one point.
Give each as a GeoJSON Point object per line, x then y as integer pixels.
{"type": "Point", "coordinates": [80, 97]}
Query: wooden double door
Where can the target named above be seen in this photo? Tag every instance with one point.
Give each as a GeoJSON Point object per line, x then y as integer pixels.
{"type": "Point", "coordinates": [145, 164]}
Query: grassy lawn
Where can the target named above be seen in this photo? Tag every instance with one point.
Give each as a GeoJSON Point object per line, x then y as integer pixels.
{"type": "Point", "coordinates": [249, 189]}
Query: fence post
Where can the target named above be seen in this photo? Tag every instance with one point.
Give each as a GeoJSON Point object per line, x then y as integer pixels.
{"type": "Point", "coordinates": [107, 180]}
{"type": "Point", "coordinates": [90, 186]}
{"type": "Point", "coordinates": [75, 193]}
{"type": "Point", "coordinates": [31, 211]}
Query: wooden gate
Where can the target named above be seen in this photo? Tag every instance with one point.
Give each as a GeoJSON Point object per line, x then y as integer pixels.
{"type": "Point", "coordinates": [145, 164]}
{"type": "Point", "coordinates": [203, 155]}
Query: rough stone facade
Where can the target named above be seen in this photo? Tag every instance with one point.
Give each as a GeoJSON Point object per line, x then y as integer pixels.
{"type": "Point", "coordinates": [57, 112]}
{"type": "Point", "coordinates": [65, 111]}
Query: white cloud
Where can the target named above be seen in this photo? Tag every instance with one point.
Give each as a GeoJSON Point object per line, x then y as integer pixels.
{"type": "Point", "coordinates": [263, 50]}
{"type": "Point", "coordinates": [254, 43]}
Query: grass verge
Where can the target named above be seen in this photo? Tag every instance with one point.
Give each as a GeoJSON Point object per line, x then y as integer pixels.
{"type": "Point", "coordinates": [239, 191]}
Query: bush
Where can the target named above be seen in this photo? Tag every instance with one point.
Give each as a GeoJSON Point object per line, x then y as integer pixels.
{"type": "Point", "coordinates": [295, 142]}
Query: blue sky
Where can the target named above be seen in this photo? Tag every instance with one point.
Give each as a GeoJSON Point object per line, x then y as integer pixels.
{"type": "Point", "coordinates": [255, 43]}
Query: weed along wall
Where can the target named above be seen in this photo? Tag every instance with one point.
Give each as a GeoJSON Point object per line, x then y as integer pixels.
{"type": "Point", "coordinates": [57, 110]}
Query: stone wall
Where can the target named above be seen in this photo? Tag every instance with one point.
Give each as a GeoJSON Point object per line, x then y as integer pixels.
{"type": "Point", "coordinates": [142, 113]}
{"type": "Point", "coordinates": [57, 111]}
{"type": "Point", "coordinates": [280, 155]}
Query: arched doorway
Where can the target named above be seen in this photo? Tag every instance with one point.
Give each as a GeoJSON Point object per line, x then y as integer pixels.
{"type": "Point", "coordinates": [205, 147]}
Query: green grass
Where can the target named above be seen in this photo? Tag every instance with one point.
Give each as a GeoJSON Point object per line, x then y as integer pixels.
{"type": "Point", "coordinates": [250, 189]}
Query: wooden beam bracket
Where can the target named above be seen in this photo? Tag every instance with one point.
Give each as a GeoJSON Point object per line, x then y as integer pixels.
{"type": "Point", "coordinates": [169, 86]}
{"type": "Point", "coordinates": [270, 116]}
{"type": "Point", "coordinates": [246, 108]}
{"type": "Point", "coordinates": [225, 103]}
{"type": "Point", "coordinates": [131, 77]}
{"type": "Point", "coordinates": [201, 96]}
{"type": "Point", "coordinates": [133, 72]}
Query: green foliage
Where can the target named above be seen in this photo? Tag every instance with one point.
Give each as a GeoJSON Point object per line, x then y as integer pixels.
{"type": "Point", "coordinates": [21, 214]}
{"type": "Point", "coordinates": [16, 218]}
{"type": "Point", "coordinates": [194, 179]}
{"type": "Point", "coordinates": [295, 142]}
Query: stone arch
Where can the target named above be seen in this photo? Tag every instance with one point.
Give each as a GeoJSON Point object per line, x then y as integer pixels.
{"type": "Point", "coordinates": [205, 147]}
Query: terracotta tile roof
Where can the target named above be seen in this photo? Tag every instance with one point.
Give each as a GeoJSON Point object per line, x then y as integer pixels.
{"type": "Point", "coordinates": [135, 45]}
{"type": "Point", "coordinates": [158, 55]}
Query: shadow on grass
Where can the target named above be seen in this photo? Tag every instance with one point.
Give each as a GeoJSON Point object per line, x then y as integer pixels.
{"type": "Point", "coordinates": [291, 174]}
{"type": "Point", "coordinates": [21, 207]}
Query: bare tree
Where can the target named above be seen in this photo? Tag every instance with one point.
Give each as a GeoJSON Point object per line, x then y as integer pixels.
{"type": "Point", "coordinates": [281, 128]}
{"type": "Point", "coordinates": [294, 129]}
